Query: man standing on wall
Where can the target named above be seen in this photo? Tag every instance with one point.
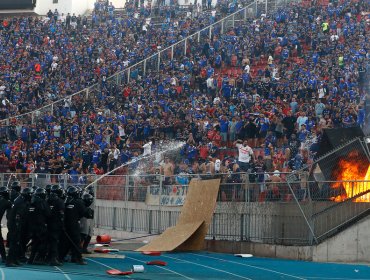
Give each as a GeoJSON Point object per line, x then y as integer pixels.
{"type": "Point", "coordinates": [245, 155]}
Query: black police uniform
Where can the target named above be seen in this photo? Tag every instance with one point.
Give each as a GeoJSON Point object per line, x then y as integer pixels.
{"type": "Point", "coordinates": [38, 215]}
{"type": "Point", "coordinates": [86, 224]}
{"type": "Point", "coordinates": [55, 226]}
{"type": "Point", "coordinates": [5, 205]}
{"type": "Point", "coordinates": [75, 209]}
{"type": "Point", "coordinates": [13, 195]}
{"type": "Point", "coordinates": [15, 190]}
{"type": "Point", "coordinates": [17, 218]}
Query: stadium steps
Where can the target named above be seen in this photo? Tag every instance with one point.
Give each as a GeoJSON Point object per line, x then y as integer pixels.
{"type": "Point", "coordinates": [342, 225]}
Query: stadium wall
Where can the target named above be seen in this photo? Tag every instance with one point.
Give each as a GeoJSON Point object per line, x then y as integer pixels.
{"type": "Point", "coordinates": [350, 245]}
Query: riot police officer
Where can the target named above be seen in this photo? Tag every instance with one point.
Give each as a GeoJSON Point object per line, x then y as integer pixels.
{"type": "Point", "coordinates": [90, 189]}
{"type": "Point", "coordinates": [47, 189]}
{"type": "Point", "coordinates": [86, 224]}
{"type": "Point", "coordinates": [5, 205]}
{"type": "Point", "coordinates": [75, 209]}
{"type": "Point", "coordinates": [17, 218]}
{"type": "Point", "coordinates": [15, 190]}
{"type": "Point", "coordinates": [38, 215]}
{"type": "Point", "coordinates": [56, 223]}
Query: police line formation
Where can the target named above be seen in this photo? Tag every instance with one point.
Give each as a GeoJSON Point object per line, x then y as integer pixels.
{"type": "Point", "coordinates": [46, 226]}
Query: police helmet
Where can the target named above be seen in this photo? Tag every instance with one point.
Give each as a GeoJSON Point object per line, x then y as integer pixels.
{"type": "Point", "coordinates": [16, 186]}
{"type": "Point", "coordinates": [79, 191]}
{"type": "Point", "coordinates": [57, 190]}
{"type": "Point", "coordinates": [88, 199]}
{"type": "Point", "coordinates": [90, 190]}
{"type": "Point", "coordinates": [27, 193]}
{"type": "Point", "coordinates": [4, 193]}
{"type": "Point", "coordinates": [72, 192]}
{"type": "Point", "coordinates": [47, 189]}
{"type": "Point", "coordinates": [41, 193]}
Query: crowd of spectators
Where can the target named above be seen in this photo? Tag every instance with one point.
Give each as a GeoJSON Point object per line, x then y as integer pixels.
{"type": "Point", "coordinates": [45, 59]}
{"type": "Point", "coordinates": [266, 87]}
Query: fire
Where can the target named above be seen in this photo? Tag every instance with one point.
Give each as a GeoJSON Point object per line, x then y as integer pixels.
{"type": "Point", "coordinates": [352, 169]}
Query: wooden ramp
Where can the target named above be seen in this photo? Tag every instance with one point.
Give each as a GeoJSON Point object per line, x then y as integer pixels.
{"type": "Point", "coordinates": [194, 220]}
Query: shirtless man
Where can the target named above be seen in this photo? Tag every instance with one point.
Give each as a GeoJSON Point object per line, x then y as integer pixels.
{"type": "Point", "coordinates": [208, 167]}
{"type": "Point", "coordinates": [274, 186]}
{"type": "Point", "coordinates": [168, 171]}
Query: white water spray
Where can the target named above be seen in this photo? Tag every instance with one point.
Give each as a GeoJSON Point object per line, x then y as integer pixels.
{"type": "Point", "coordinates": [160, 149]}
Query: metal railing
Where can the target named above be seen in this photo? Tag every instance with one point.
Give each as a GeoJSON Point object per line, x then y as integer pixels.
{"type": "Point", "coordinates": [263, 211]}
{"type": "Point", "coordinates": [257, 208]}
{"type": "Point", "coordinates": [352, 197]}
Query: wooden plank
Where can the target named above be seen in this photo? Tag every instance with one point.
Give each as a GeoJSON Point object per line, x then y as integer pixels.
{"type": "Point", "coordinates": [194, 220]}
{"type": "Point", "coordinates": [172, 237]}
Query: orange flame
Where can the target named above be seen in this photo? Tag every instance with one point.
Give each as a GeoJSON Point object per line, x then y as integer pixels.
{"type": "Point", "coordinates": [352, 169]}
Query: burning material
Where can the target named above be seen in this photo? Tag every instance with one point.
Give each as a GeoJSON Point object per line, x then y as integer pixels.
{"type": "Point", "coordinates": [353, 170]}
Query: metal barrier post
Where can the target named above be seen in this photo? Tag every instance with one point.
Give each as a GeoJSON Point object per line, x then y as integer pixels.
{"type": "Point", "coordinates": [169, 218]}
{"type": "Point", "coordinates": [65, 179]}
{"type": "Point", "coordinates": [172, 50]}
{"type": "Point", "coordinates": [144, 70]}
{"type": "Point", "coordinates": [87, 93]}
{"type": "Point", "coordinates": [210, 32]}
{"type": "Point", "coordinates": [241, 226]}
{"type": "Point", "coordinates": [150, 222]}
{"type": "Point", "coordinates": [160, 204]}
{"type": "Point", "coordinates": [266, 7]}
{"type": "Point", "coordinates": [214, 226]}
{"type": "Point", "coordinates": [96, 216]}
{"type": "Point", "coordinates": [222, 26]}
{"type": "Point", "coordinates": [127, 182]}
{"type": "Point", "coordinates": [198, 36]}
{"type": "Point", "coordinates": [256, 2]}
{"type": "Point", "coordinates": [33, 179]}
{"type": "Point", "coordinates": [159, 61]}
{"type": "Point", "coordinates": [185, 46]}
{"type": "Point", "coordinates": [114, 218]}
{"type": "Point", "coordinates": [127, 185]}
{"type": "Point", "coordinates": [132, 220]}
{"type": "Point", "coordinates": [128, 74]}
{"type": "Point", "coordinates": [309, 224]}
{"type": "Point", "coordinates": [353, 186]}
{"type": "Point", "coordinates": [233, 21]}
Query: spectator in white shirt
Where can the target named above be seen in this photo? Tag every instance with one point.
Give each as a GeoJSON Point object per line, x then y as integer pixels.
{"type": "Point", "coordinates": [246, 155]}
{"type": "Point", "coordinates": [147, 149]}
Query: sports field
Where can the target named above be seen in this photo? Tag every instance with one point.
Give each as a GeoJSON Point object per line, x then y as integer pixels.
{"type": "Point", "coordinates": [197, 265]}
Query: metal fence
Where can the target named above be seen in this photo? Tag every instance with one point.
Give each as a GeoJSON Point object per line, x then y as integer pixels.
{"type": "Point", "coordinates": [249, 206]}
{"type": "Point", "coordinates": [265, 211]}
{"type": "Point", "coordinates": [341, 176]}
{"type": "Point", "coordinates": [267, 208]}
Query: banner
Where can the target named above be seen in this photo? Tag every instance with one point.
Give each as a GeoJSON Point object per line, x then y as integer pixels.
{"type": "Point", "coordinates": [170, 196]}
